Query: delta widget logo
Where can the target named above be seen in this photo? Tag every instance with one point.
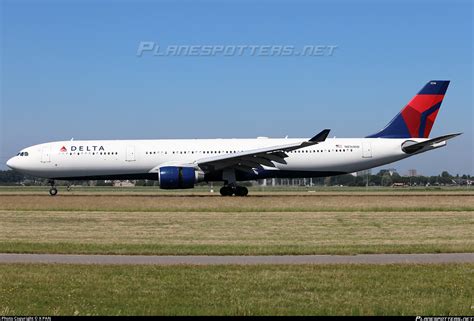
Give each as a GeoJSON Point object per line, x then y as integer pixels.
{"type": "Point", "coordinates": [83, 148]}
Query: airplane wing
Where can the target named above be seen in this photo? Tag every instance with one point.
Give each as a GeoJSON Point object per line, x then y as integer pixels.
{"type": "Point", "coordinates": [414, 147]}
{"type": "Point", "coordinates": [255, 158]}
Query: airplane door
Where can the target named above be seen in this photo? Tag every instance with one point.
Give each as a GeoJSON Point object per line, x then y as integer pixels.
{"type": "Point", "coordinates": [366, 150]}
{"type": "Point", "coordinates": [130, 154]}
{"type": "Point", "coordinates": [46, 155]}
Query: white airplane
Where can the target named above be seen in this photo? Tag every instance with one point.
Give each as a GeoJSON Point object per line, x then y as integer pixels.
{"type": "Point", "coordinates": [181, 163]}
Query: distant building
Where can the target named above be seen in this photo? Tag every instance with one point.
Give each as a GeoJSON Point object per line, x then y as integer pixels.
{"type": "Point", "coordinates": [123, 184]}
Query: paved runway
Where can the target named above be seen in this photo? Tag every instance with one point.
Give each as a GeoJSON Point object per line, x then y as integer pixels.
{"type": "Point", "coordinates": [240, 260]}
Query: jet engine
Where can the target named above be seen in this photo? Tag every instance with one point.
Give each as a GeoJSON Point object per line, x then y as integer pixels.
{"type": "Point", "coordinates": [178, 177]}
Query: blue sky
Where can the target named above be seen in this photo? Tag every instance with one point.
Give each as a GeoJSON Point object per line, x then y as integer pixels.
{"type": "Point", "coordinates": [70, 69]}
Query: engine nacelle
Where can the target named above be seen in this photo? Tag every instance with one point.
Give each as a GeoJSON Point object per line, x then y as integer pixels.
{"type": "Point", "coordinates": [177, 177]}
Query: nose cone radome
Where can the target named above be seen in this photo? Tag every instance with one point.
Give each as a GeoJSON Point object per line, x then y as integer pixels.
{"type": "Point", "coordinates": [11, 163]}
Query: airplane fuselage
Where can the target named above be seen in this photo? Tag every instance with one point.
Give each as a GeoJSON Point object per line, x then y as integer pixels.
{"type": "Point", "coordinates": [140, 159]}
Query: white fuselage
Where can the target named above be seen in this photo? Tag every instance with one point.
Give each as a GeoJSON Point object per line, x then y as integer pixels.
{"type": "Point", "coordinates": [123, 158]}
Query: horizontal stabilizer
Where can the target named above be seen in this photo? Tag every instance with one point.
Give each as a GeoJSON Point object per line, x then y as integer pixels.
{"type": "Point", "coordinates": [412, 148]}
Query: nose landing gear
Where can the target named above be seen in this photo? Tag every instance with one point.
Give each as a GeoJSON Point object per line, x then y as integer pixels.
{"type": "Point", "coordinates": [53, 190]}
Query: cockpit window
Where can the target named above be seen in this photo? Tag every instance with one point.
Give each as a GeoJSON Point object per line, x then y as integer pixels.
{"type": "Point", "coordinates": [22, 154]}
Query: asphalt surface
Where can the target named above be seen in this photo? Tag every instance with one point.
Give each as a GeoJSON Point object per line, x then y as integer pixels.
{"type": "Point", "coordinates": [239, 260]}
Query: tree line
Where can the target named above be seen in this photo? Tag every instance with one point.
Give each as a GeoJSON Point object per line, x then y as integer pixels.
{"type": "Point", "coordinates": [385, 178]}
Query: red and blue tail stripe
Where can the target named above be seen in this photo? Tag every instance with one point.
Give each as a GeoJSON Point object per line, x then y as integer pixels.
{"type": "Point", "coordinates": [417, 118]}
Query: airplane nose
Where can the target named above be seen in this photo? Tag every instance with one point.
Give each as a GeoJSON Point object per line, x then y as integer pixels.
{"type": "Point", "coordinates": [10, 163]}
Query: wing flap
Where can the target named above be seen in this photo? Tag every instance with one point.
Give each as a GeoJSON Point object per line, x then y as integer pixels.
{"type": "Point", "coordinates": [274, 158]}
{"type": "Point", "coordinates": [259, 160]}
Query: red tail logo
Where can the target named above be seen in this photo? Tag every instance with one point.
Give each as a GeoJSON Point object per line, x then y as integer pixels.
{"type": "Point", "coordinates": [417, 118]}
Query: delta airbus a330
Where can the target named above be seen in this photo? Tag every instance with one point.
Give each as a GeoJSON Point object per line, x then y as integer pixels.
{"type": "Point", "coordinates": [179, 164]}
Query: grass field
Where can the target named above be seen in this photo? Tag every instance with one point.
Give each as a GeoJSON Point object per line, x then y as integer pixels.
{"type": "Point", "coordinates": [237, 290]}
{"type": "Point", "coordinates": [278, 202]}
{"type": "Point", "coordinates": [332, 223]}
{"type": "Point", "coordinates": [143, 221]}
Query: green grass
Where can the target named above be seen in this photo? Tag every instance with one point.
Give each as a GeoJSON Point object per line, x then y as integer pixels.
{"type": "Point", "coordinates": [260, 209]}
{"type": "Point", "coordinates": [230, 233]}
{"type": "Point", "coordinates": [335, 223]}
{"type": "Point", "coordinates": [340, 202]}
{"type": "Point", "coordinates": [229, 249]}
{"type": "Point", "coordinates": [237, 290]}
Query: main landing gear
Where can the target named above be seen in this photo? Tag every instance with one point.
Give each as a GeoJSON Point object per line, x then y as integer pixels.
{"type": "Point", "coordinates": [229, 190]}
{"type": "Point", "coordinates": [53, 190]}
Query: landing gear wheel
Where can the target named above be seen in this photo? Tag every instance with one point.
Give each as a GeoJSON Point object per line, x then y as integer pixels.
{"type": "Point", "coordinates": [53, 191]}
{"type": "Point", "coordinates": [241, 191]}
{"type": "Point", "coordinates": [226, 191]}
{"type": "Point", "coordinates": [229, 190]}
